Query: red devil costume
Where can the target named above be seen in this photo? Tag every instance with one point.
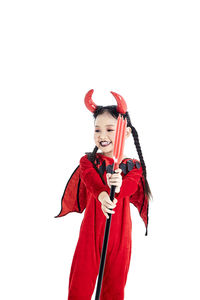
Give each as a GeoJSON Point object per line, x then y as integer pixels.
{"type": "Point", "coordinates": [81, 192]}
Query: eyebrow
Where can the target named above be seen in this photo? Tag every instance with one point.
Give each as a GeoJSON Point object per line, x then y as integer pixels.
{"type": "Point", "coordinates": [106, 125]}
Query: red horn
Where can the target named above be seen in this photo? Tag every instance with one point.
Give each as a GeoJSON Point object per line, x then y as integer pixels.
{"type": "Point", "coordinates": [89, 103]}
{"type": "Point", "coordinates": [121, 103]}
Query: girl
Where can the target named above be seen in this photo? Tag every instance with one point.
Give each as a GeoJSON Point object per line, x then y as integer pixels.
{"type": "Point", "coordinates": [89, 187]}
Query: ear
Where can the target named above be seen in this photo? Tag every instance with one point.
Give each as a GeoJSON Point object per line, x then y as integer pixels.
{"type": "Point", "coordinates": [128, 132]}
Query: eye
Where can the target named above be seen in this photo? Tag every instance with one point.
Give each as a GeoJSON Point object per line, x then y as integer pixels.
{"type": "Point", "coordinates": [108, 130]}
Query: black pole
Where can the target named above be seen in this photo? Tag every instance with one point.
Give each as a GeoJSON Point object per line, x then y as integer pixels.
{"type": "Point", "coordinates": [104, 247]}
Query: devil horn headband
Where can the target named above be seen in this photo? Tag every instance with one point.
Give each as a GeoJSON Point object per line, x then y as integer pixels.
{"type": "Point", "coordinates": [91, 106]}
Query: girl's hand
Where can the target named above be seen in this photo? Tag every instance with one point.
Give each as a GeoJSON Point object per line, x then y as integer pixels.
{"type": "Point", "coordinates": [115, 179]}
{"type": "Point", "coordinates": [106, 203]}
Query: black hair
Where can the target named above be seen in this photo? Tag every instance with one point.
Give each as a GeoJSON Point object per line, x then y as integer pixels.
{"type": "Point", "coordinates": [112, 109]}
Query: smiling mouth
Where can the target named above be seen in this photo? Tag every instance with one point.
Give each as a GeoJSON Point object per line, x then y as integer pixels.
{"type": "Point", "coordinates": [105, 144]}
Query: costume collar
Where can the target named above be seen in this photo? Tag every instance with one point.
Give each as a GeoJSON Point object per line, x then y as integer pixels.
{"type": "Point", "coordinates": [105, 163]}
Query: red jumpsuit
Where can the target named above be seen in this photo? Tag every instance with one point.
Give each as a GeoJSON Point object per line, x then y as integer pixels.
{"type": "Point", "coordinates": [86, 260]}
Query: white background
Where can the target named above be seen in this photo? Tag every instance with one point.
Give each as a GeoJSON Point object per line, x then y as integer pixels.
{"type": "Point", "coordinates": [52, 53]}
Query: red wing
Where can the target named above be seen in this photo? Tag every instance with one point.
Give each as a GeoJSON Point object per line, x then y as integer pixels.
{"type": "Point", "coordinates": [75, 195]}
{"type": "Point", "coordinates": [139, 199]}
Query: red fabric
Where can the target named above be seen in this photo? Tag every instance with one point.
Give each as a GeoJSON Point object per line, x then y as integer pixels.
{"type": "Point", "coordinates": [86, 259]}
{"type": "Point", "coordinates": [75, 195]}
{"type": "Point", "coordinates": [85, 178]}
{"type": "Point", "coordinates": [133, 187]}
{"type": "Point", "coordinates": [91, 178]}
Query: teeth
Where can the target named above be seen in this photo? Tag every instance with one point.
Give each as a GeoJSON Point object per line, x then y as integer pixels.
{"type": "Point", "coordinates": [104, 143]}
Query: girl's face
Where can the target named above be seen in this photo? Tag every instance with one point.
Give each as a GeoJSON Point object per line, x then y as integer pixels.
{"type": "Point", "coordinates": [104, 131]}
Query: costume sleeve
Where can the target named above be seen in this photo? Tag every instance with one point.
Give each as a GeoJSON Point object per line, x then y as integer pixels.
{"type": "Point", "coordinates": [130, 182]}
{"type": "Point", "coordinates": [91, 178]}
{"type": "Point", "coordinates": [133, 186]}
